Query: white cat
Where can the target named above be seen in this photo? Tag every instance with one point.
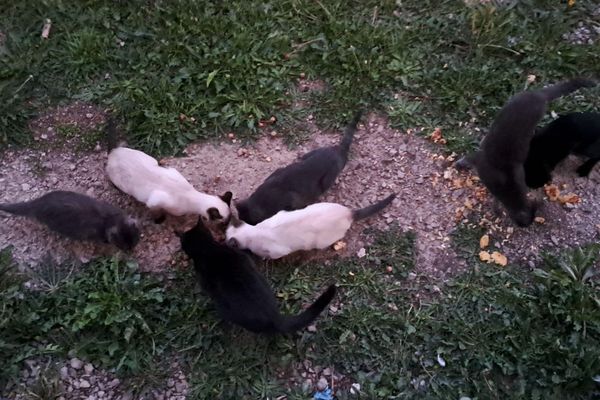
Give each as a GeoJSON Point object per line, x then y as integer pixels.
{"type": "Point", "coordinates": [314, 227]}
{"type": "Point", "coordinates": [162, 189]}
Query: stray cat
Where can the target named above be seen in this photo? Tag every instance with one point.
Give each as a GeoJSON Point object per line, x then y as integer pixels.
{"type": "Point", "coordinates": [161, 189]}
{"type": "Point", "coordinates": [574, 133]}
{"type": "Point", "coordinates": [314, 227]}
{"type": "Point", "coordinates": [503, 151]}
{"type": "Point", "coordinates": [299, 184]}
{"type": "Point", "coordinates": [241, 294]}
{"type": "Point", "coordinates": [80, 217]}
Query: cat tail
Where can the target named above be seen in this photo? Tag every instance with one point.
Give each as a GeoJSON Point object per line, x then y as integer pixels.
{"type": "Point", "coordinates": [565, 87]}
{"type": "Point", "coordinates": [23, 208]}
{"type": "Point", "coordinates": [291, 324]}
{"type": "Point", "coordinates": [112, 138]}
{"type": "Point", "coordinates": [349, 134]}
{"type": "Point", "coordinates": [373, 208]}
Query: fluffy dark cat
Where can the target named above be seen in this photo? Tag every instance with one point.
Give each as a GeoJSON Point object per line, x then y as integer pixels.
{"type": "Point", "coordinates": [241, 294]}
{"type": "Point", "coordinates": [80, 217]}
{"type": "Point", "coordinates": [503, 151]}
{"type": "Point", "coordinates": [299, 184]}
{"type": "Point", "coordinates": [575, 133]}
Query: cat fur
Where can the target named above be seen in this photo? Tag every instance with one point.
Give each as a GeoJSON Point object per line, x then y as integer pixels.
{"type": "Point", "coordinates": [240, 293]}
{"type": "Point", "coordinates": [500, 160]}
{"type": "Point", "coordinates": [314, 227]}
{"type": "Point", "coordinates": [160, 188]}
{"type": "Point", "coordinates": [79, 217]}
{"type": "Point", "coordinates": [299, 184]}
{"type": "Point", "coordinates": [575, 133]}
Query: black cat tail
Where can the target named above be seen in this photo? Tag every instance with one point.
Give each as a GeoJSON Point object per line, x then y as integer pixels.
{"type": "Point", "coordinates": [300, 321]}
{"type": "Point", "coordinates": [349, 134]}
{"type": "Point", "coordinates": [17, 208]}
{"type": "Point", "coordinates": [565, 87]}
{"type": "Point", "coordinates": [112, 138]}
{"type": "Point", "coordinates": [373, 208]}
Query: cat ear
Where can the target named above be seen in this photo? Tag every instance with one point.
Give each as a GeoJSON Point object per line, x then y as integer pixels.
{"type": "Point", "coordinates": [226, 197]}
{"type": "Point", "coordinates": [213, 214]}
{"type": "Point", "coordinates": [232, 242]}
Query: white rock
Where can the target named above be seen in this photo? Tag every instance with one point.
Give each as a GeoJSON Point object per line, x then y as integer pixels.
{"type": "Point", "coordinates": [76, 363]}
{"type": "Point", "coordinates": [88, 368]}
{"type": "Point", "coordinates": [322, 384]}
{"type": "Point", "coordinates": [355, 388]}
{"type": "Point", "coordinates": [361, 253]}
{"type": "Point", "coordinates": [84, 384]}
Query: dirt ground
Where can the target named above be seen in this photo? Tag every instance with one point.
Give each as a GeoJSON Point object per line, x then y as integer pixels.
{"type": "Point", "coordinates": [432, 196]}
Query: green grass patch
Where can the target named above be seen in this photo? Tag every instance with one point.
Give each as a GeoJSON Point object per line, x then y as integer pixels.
{"type": "Point", "coordinates": [491, 333]}
{"type": "Point", "coordinates": [227, 65]}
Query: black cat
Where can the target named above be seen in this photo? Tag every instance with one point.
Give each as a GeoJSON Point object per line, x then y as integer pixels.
{"type": "Point", "coordinates": [502, 154]}
{"type": "Point", "coordinates": [575, 133]}
{"type": "Point", "coordinates": [299, 184]}
{"type": "Point", "coordinates": [80, 217]}
{"type": "Point", "coordinates": [241, 294]}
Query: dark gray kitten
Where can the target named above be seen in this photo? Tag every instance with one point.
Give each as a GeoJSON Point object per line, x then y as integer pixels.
{"type": "Point", "coordinates": [503, 151]}
{"type": "Point", "coordinates": [80, 217]}
{"type": "Point", "coordinates": [575, 133]}
{"type": "Point", "coordinates": [299, 184]}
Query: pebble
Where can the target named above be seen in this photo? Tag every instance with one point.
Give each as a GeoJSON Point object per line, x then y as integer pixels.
{"type": "Point", "coordinates": [322, 384]}
{"type": "Point", "coordinates": [88, 368]}
{"type": "Point", "coordinates": [76, 363]}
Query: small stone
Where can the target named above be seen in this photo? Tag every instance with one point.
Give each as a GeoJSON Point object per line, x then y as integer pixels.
{"type": "Point", "coordinates": [180, 387]}
{"type": "Point", "coordinates": [361, 253]}
{"type": "Point", "coordinates": [25, 187]}
{"type": "Point", "coordinates": [89, 115]}
{"type": "Point", "coordinates": [101, 393]}
{"type": "Point", "coordinates": [327, 372]}
{"type": "Point", "coordinates": [170, 382]}
{"type": "Point", "coordinates": [64, 373]}
{"type": "Point", "coordinates": [88, 368]}
{"type": "Point", "coordinates": [322, 384]}
{"type": "Point", "coordinates": [76, 363]}
{"type": "Point", "coordinates": [114, 383]}
{"type": "Point", "coordinates": [312, 328]}
{"type": "Point", "coordinates": [355, 388]}
{"type": "Point", "coordinates": [72, 167]}
{"type": "Point", "coordinates": [84, 384]}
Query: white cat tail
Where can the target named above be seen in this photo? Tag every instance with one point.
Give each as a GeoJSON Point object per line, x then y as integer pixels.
{"type": "Point", "coordinates": [373, 208]}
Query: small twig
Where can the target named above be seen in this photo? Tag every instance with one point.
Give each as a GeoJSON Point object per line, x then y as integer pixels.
{"type": "Point", "coordinates": [30, 77]}
{"type": "Point", "coordinates": [375, 15]}
{"type": "Point", "coordinates": [324, 9]}
{"type": "Point", "coordinates": [501, 47]}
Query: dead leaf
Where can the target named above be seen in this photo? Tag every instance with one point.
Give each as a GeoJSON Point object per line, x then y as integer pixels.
{"type": "Point", "coordinates": [436, 136]}
{"type": "Point", "coordinates": [571, 3]}
{"type": "Point", "coordinates": [540, 220]}
{"type": "Point", "coordinates": [552, 191]}
{"type": "Point", "coordinates": [340, 245]}
{"type": "Point", "coordinates": [46, 28]}
{"type": "Point", "coordinates": [570, 198]}
{"type": "Point", "coordinates": [499, 258]}
{"type": "Point", "coordinates": [484, 241]}
{"type": "Point", "coordinates": [485, 256]}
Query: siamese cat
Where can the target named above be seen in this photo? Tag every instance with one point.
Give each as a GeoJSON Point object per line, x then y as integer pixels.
{"type": "Point", "coordinates": [574, 133]}
{"type": "Point", "coordinates": [502, 154]}
{"type": "Point", "coordinates": [314, 227]}
{"type": "Point", "coordinates": [241, 294]}
{"type": "Point", "coordinates": [299, 184]}
{"type": "Point", "coordinates": [80, 217]}
{"type": "Point", "coordinates": [162, 189]}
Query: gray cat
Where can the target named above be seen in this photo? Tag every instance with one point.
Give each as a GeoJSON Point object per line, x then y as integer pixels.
{"type": "Point", "coordinates": [299, 184]}
{"type": "Point", "coordinates": [503, 151]}
{"type": "Point", "coordinates": [80, 217]}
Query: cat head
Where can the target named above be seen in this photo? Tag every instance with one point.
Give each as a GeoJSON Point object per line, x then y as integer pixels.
{"type": "Point", "coordinates": [220, 210]}
{"type": "Point", "coordinates": [199, 235]}
{"type": "Point", "coordinates": [124, 234]}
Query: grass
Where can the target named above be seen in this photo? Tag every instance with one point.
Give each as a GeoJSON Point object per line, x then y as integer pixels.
{"type": "Point", "coordinates": [491, 333]}
{"type": "Point", "coordinates": [425, 63]}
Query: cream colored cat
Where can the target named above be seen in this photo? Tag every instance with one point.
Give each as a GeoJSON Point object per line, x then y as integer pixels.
{"type": "Point", "coordinates": [314, 227]}
{"type": "Point", "coordinates": [162, 189]}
